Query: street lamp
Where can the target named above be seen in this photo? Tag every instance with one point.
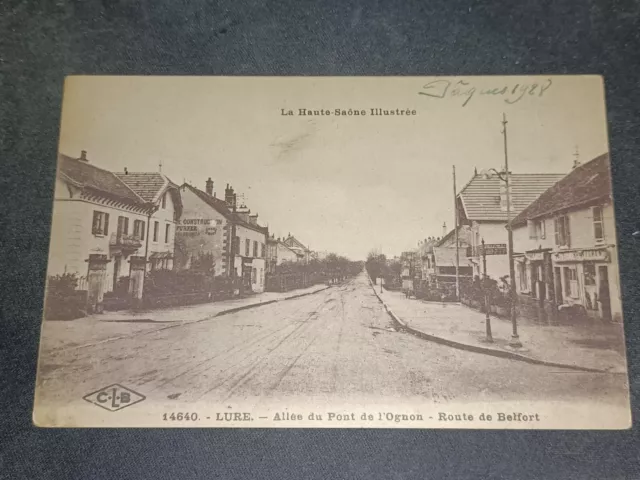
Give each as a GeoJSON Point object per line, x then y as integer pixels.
{"type": "Point", "coordinates": [504, 176]}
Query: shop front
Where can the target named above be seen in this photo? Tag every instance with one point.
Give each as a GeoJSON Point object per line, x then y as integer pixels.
{"type": "Point", "coordinates": [583, 279]}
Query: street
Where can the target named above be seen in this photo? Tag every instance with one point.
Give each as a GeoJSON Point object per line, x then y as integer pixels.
{"type": "Point", "coordinates": [338, 345]}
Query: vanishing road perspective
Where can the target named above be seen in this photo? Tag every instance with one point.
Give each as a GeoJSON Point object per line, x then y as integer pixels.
{"type": "Point", "coordinates": [336, 344]}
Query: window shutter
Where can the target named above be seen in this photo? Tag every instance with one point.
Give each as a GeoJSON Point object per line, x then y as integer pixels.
{"type": "Point", "coordinates": [532, 228]}
{"type": "Point", "coordinates": [567, 231]}
{"type": "Point", "coordinates": [557, 230]}
{"type": "Point", "coordinates": [94, 225]}
{"type": "Point", "coordinates": [106, 223]}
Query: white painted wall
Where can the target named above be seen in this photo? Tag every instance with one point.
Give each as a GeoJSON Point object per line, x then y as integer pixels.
{"type": "Point", "coordinates": [72, 239]}
{"type": "Point", "coordinates": [258, 262]}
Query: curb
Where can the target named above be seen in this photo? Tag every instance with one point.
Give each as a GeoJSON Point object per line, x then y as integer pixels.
{"type": "Point", "coordinates": [260, 304]}
{"type": "Point", "coordinates": [477, 349]}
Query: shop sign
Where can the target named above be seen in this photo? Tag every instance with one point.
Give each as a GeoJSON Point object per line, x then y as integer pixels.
{"type": "Point", "coordinates": [534, 256]}
{"type": "Point", "coordinates": [590, 255]}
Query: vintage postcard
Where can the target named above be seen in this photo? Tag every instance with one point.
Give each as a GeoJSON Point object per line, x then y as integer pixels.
{"type": "Point", "coordinates": [415, 252]}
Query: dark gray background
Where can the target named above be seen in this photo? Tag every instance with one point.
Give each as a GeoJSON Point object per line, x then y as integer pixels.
{"type": "Point", "coordinates": [41, 42]}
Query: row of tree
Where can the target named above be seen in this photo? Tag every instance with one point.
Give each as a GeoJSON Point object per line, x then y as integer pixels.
{"type": "Point", "coordinates": [331, 266]}
{"type": "Point", "coordinates": [378, 266]}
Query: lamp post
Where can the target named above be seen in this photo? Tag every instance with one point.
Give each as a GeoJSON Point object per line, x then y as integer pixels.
{"type": "Point", "coordinates": [505, 177]}
{"type": "Point", "coordinates": [487, 320]}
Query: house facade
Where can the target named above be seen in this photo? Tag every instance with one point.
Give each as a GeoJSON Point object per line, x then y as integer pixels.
{"type": "Point", "coordinates": [101, 226]}
{"type": "Point", "coordinates": [278, 253]}
{"type": "Point", "coordinates": [300, 248]}
{"type": "Point", "coordinates": [215, 234]}
{"type": "Point", "coordinates": [482, 207]}
{"type": "Point", "coordinates": [567, 243]}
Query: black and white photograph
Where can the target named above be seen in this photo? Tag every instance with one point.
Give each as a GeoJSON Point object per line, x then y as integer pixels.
{"type": "Point", "coordinates": [333, 252]}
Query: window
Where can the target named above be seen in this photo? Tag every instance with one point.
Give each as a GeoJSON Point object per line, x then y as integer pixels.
{"type": "Point", "coordinates": [100, 225]}
{"type": "Point", "coordinates": [598, 225]}
{"type": "Point", "coordinates": [138, 229]}
{"type": "Point", "coordinates": [247, 247]}
{"type": "Point", "coordinates": [255, 248]}
{"type": "Point", "coordinates": [563, 232]}
{"type": "Point", "coordinates": [589, 273]}
{"type": "Point", "coordinates": [164, 201]}
{"type": "Point", "coordinates": [156, 228]}
{"type": "Point", "coordinates": [123, 226]}
{"type": "Point", "coordinates": [167, 231]}
{"type": "Point", "coordinates": [537, 229]}
{"type": "Point", "coordinates": [236, 246]}
{"type": "Point", "coordinates": [571, 282]}
{"type": "Point", "coordinates": [262, 250]}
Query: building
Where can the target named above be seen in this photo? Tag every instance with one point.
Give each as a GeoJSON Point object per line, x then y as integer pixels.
{"type": "Point", "coordinates": [103, 226]}
{"type": "Point", "coordinates": [482, 206]}
{"type": "Point", "coordinates": [437, 256]}
{"type": "Point", "coordinates": [567, 244]}
{"type": "Point", "coordinates": [218, 234]}
{"type": "Point", "coordinates": [157, 190]}
{"type": "Point", "coordinates": [297, 246]}
{"type": "Point", "coordinates": [278, 253]}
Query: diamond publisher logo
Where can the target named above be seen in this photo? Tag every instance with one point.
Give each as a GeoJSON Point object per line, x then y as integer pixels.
{"type": "Point", "coordinates": [114, 397]}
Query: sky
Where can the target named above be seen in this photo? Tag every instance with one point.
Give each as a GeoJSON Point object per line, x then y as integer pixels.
{"type": "Point", "coordinates": [343, 184]}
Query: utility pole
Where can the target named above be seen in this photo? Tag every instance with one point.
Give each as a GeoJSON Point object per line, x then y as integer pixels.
{"type": "Point", "coordinates": [515, 339]}
{"type": "Point", "coordinates": [455, 226]}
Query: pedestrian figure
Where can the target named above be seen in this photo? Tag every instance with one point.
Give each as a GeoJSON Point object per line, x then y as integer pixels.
{"type": "Point", "coordinates": [442, 297]}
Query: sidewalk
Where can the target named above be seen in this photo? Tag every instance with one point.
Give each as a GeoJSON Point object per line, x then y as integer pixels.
{"type": "Point", "coordinates": [589, 347]}
{"type": "Point", "coordinates": [110, 326]}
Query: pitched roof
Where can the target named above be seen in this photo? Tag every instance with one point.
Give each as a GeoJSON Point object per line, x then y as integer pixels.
{"type": "Point", "coordinates": [147, 185]}
{"type": "Point", "coordinates": [481, 196]}
{"type": "Point", "coordinates": [586, 183]}
{"type": "Point", "coordinates": [85, 175]}
{"type": "Point", "coordinates": [446, 257]}
{"type": "Point", "coordinates": [292, 250]}
{"type": "Point", "coordinates": [293, 242]}
{"type": "Point", "coordinates": [221, 207]}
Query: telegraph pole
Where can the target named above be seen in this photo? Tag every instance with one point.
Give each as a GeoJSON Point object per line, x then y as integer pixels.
{"type": "Point", "coordinates": [515, 339]}
{"type": "Point", "coordinates": [455, 210]}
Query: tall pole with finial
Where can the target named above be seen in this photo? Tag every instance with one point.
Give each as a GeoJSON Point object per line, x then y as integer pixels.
{"type": "Point", "coordinates": [515, 339]}
{"type": "Point", "coordinates": [455, 226]}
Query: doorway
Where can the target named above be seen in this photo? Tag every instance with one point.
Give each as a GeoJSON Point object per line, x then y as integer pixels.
{"type": "Point", "coordinates": [558, 285]}
{"type": "Point", "coordinates": [117, 260]}
{"type": "Point", "coordinates": [604, 295]}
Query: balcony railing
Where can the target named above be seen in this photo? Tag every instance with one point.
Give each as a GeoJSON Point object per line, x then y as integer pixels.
{"type": "Point", "coordinates": [124, 241]}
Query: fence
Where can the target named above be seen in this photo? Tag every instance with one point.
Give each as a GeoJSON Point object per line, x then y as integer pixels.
{"type": "Point", "coordinates": [283, 282]}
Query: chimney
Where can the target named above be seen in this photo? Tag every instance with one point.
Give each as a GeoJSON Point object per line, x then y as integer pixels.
{"type": "Point", "coordinates": [253, 219]}
{"type": "Point", "coordinates": [209, 186]}
{"type": "Point", "coordinates": [229, 197]}
{"type": "Point", "coordinates": [126, 172]}
{"type": "Point", "coordinates": [83, 156]}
